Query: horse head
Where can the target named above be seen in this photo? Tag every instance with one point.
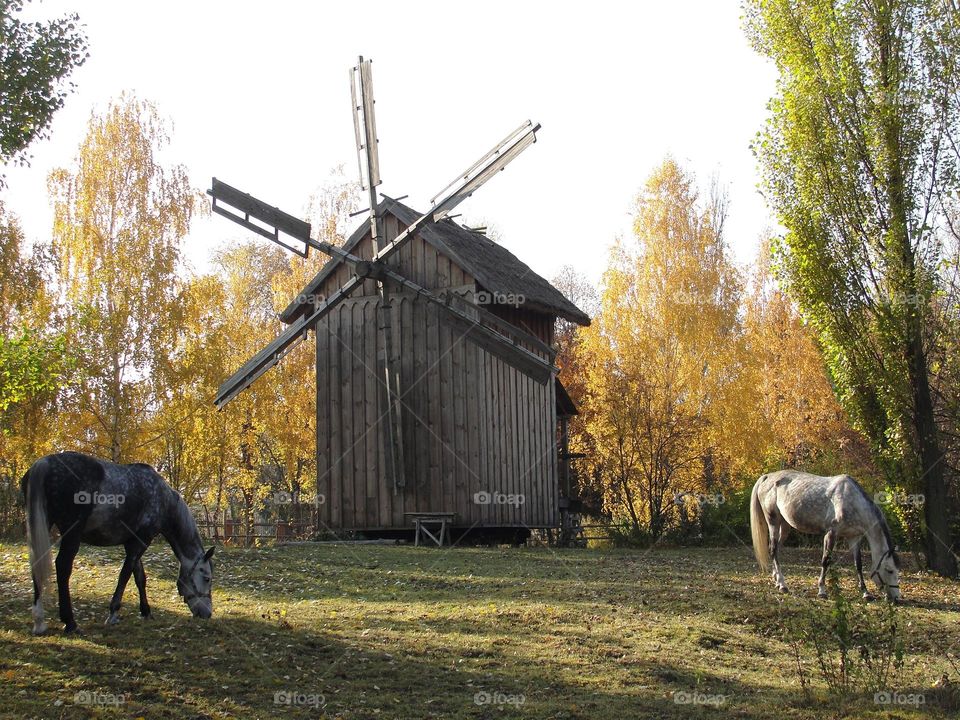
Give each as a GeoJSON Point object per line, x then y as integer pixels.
{"type": "Point", "coordinates": [195, 582]}
{"type": "Point", "coordinates": [886, 574]}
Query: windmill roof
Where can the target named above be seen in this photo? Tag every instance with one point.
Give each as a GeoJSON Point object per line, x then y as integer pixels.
{"type": "Point", "coordinates": [494, 267]}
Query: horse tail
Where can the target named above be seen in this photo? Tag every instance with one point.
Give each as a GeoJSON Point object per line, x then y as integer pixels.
{"type": "Point", "coordinates": [38, 528]}
{"type": "Point", "coordinates": [759, 529]}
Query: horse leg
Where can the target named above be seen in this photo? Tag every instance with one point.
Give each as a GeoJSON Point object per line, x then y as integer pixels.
{"type": "Point", "coordinates": [776, 536]}
{"type": "Point", "coordinates": [125, 571]}
{"type": "Point", "coordinates": [39, 623]}
{"type": "Point", "coordinates": [140, 577]}
{"type": "Point", "coordinates": [69, 547]}
{"type": "Point", "coordinates": [828, 542]}
{"type": "Point", "coordinates": [858, 562]}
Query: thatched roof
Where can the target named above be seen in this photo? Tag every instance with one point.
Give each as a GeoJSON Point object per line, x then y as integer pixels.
{"type": "Point", "coordinates": [496, 269]}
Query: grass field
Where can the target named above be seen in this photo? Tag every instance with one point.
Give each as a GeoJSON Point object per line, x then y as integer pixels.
{"type": "Point", "coordinates": [374, 631]}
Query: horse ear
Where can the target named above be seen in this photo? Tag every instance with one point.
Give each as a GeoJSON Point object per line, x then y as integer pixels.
{"type": "Point", "coordinates": [209, 554]}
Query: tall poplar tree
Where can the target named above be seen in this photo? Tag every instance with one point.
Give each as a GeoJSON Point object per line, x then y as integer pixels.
{"type": "Point", "coordinates": [859, 161]}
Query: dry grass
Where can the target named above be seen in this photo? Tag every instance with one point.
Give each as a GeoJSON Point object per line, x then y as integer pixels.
{"type": "Point", "coordinates": [368, 631]}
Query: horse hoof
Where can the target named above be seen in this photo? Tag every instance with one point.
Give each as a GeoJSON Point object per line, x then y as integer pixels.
{"type": "Point", "coordinates": [39, 629]}
{"type": "Point", "coordinates": [113, 619]}
{"type": "Point", "coordinates": [71, 630]}
{"type": "Point", "coordinates": [822, 594]}
{"type": "Point", "coordinates": [146, 615]}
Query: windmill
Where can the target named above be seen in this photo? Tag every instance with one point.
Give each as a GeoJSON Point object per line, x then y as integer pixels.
{"type": "Point", "coordinates": [473, 322]}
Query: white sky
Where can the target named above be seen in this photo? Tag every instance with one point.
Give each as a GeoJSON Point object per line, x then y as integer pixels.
{"type": "Point", "coordinates": [259, 97]}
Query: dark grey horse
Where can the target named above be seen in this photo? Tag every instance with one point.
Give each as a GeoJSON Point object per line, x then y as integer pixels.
{"type": "Point", "coordinates": [101, 503]}
{"type": "Point", "coordinates": [835, 506]}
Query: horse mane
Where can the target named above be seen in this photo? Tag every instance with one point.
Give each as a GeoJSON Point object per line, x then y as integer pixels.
{"type": "Point", "coordinates": [881, 520]}
{"type": "Point", "coordinates": [182, 523]}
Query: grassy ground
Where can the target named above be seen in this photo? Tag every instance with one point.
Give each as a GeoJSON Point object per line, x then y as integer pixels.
{"type": "Point", "coordinates": [370, 631]}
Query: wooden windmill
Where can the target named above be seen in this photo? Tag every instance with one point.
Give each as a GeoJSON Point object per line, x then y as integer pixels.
{"type": "Point", "coordinates": [489, 331]}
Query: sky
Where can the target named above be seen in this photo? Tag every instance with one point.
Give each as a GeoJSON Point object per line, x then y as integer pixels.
{"type": "Point", "coordinates": [258, 95]}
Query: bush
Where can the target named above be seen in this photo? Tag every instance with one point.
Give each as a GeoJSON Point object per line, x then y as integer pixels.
{"type": "Point", "coordinates": [856, 646]}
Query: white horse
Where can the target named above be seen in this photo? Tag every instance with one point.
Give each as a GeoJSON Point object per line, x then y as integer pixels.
{"type": "Point", "coordinates": [835, 506]}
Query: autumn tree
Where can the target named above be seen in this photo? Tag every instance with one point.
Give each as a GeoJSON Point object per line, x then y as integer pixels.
{"type": "Point", "coordinates": [571, 358]}
{"type": "Point", "coordinates": [661, 357]}
{"type": "Point", "coordinates": [264, 440]}
{"type": "Point", "coordinates": [859, 161]}
{"type": "Point", "coordinates": [119, 219]}
{"type": "Point", "coordinates": [35, 60]}
{"type": "Point", "coordinates": [795, 419]}
{"type": "Point", "coordinates": [35, 362]}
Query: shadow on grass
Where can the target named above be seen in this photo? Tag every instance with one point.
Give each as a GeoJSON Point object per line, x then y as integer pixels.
{"type": "Point", "coordinates": [249, 656]}
{"type": "Point", "coordinates": [174, 667]}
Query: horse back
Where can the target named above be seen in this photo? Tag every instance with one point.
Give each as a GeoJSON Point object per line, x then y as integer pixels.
{"type": "Point", "coordinates": [105, 502]}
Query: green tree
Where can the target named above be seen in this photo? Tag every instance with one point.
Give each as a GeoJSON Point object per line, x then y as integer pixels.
{"type": "Point", "coordinates": [35, 59]}
{"type": "Point", "coordinates": [859, 162]}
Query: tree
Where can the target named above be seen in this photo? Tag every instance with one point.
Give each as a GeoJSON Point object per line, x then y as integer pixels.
{"type": "Point", "coordinates": [119, 219]}
{"type": "Point", "coordinates": [35, 363]}
{"type": "Point", "coordinates": [795, 420]}
{"type": "Point", "coordinates": [859, 161]}
{"type": "Point", "coordinates": [661, 355]}
{"type": "Point", "coordinates": [571, 359]}
{"type": "Point", "coordinates": [35, 59]}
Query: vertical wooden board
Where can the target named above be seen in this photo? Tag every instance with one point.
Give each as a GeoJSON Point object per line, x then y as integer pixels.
{"type": "Point", "coordinates": [480, 427]}
{"type": "Point", "coordinates": [404, 260]}
{"type": "Point", "coordinates": [523, 439]}
{"type": "Point", "coordinates": [323, 424]}
{"type": "Point", "coordinates": [548, 433]}
{"type": "Point", "coordinates": [345, 339]}
{"type": "Point", "coordinates": [530, 453]}
{"type": "Point", "coordinates": [389, 496]}
{"type": "Point", "coordinates": [553, 478]}
{"type": "Point", "coordinates": [474, 383]}
{"type": "Point", "coordinates": [336, 422]}
{"type": "Point", "coordinates": [492, 433]}
{"type": "Point", "coordinates": [514, 444]}
{"type": "Point", "coordinates": [424, 440]}
{"type": "Point", "coordinates": [545, 430]}
{"type": "Point", "coordinates": [390, 231]}
{"type": "Point", "coordinates": [449, 462]}
{"type": "Point", "coordinates": [507, 448]}
{"type": "Point", "coordinates": [358, 375]}
{"type": "Point", "coordinates": [434, 411]}
{"type": "Point", "coordinates": [502, 438]}
{"type": "Point", "coordinates": [537, 450]}
{"type": "Point", "coordinates": [366, 438]}
{"type": "Point", "coordinates": [464, 469]}
{"type": "Point", "coordinates": [407, 394]}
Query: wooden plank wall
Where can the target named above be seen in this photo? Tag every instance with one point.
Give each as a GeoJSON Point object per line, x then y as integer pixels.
{"type": "Point", "coordinates": [471, 423]}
